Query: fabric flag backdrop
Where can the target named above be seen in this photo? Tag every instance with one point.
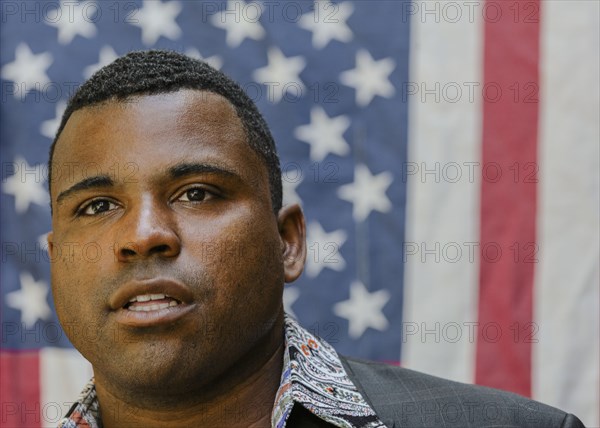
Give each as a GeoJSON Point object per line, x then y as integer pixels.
{"type": "Point", "coordinates": [446, 155]}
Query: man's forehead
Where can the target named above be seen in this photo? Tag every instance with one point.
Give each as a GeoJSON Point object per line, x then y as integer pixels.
{"type": "Point", "coordinates": [189, 122]}
{"type": "Point", "coordinates": [184, 112]}
{"type": "Point", "coordinates": [183, 102]}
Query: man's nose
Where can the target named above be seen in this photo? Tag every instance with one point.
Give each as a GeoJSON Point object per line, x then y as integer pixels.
{"type": "Point", "coordinates": [148, 230]}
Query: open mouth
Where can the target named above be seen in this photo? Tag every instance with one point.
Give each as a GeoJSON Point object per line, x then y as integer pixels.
{"type": "Point", "coordinates": [151, 302]}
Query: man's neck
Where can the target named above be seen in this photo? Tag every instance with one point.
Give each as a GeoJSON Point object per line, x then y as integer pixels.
{"type": "Point", "coordinates": [247, 403]}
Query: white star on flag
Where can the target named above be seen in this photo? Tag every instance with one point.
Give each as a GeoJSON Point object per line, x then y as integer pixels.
{"type": "Point", "coordinates": [290, 295]}
{"type": "Point", "coordinates": [43, 241]}
{"type": "Point", "coordinates": [324, 134]}
{"type": "Point", "coordinates": [241, 21]}
{"type": "Point", "coordinates": [30, 300]}
{"type": "Point", "coordinates": [327, 22]}
{"type": "Point", "coordinates": [323, 249]}
{"type": "Point", "coordinates": [157, 18]}
{"type": "Point", "coordinates": [28, 70]}
{"type": "Point", "coordinates": [281, 75]}
{"type": "Point", "coordinates": [363, 310]}
{"type": "Point", "coordinates": [214, 61]}
{"type": "Point", "coordinates": [74, 19]}
{"type": "Point", "coordinates": [49, 127]}
{"type": "Point", "coordinates": [290, 180]}
{"type": "Point", "coordinates": [369, 77]}
{"type": "Point", "coordinates": [367, 192]}
{"type": "Point", "coordinates": [106, 56]}
{"type": "Point", "coordinates": [26, 185]}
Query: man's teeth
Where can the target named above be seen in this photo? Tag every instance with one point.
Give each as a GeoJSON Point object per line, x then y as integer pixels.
{"type": "Point", "coordinates": [154, 307]}
{"type": "Point", "coordinates": [147, 298]}
{"type": "Point", "coordinates": [151, 307]}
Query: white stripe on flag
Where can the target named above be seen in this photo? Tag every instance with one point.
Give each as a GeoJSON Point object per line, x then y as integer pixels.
{"type": "Point", "coordinates": [442, 211]}
{"type": "Point", "coordinates": [565, 358]}
{"type": "Point", "coordinates": [63, 374]}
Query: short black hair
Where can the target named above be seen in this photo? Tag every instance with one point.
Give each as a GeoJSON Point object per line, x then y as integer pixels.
{"type": "Point", "coordinates": [162, 71]}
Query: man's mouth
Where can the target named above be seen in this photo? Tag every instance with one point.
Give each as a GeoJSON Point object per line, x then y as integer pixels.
{"type": "Point", "coordinates": [151, 302]}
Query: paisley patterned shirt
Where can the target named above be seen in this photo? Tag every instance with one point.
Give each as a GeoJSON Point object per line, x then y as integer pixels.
{"type": "Point", "coordinates": [313, 377]}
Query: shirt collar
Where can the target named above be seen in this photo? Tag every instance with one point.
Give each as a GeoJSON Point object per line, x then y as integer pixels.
{"type": "Point", "coordinates": [313, 377]}
{"type": "Point", "coordinates": [85, 412]}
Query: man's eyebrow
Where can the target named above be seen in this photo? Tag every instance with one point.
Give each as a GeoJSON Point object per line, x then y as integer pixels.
{"type": "Point", "coordinates": [98, 181]}
{"type": "Point", "coordinates": [177, 171]}
{"type": "Point", "coordinates": [185, 169]}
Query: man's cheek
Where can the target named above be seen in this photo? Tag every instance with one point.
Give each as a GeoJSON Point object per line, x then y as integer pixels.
{"type": "Point", "coordinates": [84, 333]}
{"type": "Point", "coordinates": [248, 256]}
{"type": "Point", "coordinates": [76, 254]}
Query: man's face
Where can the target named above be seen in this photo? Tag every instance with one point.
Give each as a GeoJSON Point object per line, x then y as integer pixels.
{"type": "Point", "coordinates": [161, 198]}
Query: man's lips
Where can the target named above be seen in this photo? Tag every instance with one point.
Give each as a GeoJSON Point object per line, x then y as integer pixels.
{"type": "Point", "coordinates": [150, 302]}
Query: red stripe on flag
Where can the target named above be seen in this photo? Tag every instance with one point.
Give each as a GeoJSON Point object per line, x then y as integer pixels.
{"type": "Point", "coordinates": [508, 195]}
{"type": "Point", "coordinates": [20, 389]}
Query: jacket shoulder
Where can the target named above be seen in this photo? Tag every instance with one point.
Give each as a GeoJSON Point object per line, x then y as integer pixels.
{"type": "Point", "coordinates": [403, 397]}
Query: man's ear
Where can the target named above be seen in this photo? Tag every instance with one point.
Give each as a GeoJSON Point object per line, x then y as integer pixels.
{"type": "Point", "coordinates": [292, 231]}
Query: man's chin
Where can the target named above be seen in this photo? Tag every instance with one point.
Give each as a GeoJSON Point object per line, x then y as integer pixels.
{"type": "Point", "coordinates": [152, 383]}
{"type": "Point", "coordinates": [151, 367]}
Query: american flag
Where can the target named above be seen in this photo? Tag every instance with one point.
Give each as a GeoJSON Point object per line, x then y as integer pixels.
{"type": "Point", "coordinates": [446, 155]}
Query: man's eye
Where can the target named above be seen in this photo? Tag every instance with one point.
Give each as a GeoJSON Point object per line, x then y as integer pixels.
{"type": "Point", "coordinates": [195, 194]}
{"type": "Point", "coordinates": [97, 206]}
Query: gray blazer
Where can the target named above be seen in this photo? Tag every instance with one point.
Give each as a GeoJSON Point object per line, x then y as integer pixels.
{"type": "Point", "coordinates": [405, 398]}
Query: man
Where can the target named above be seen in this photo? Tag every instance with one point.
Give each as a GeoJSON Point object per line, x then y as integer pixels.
{"type": "Point", "coordinates": [174, 181]}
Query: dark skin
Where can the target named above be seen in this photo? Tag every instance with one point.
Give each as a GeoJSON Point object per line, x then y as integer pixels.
{"type": "Point", "coordinates": [162, 195]}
